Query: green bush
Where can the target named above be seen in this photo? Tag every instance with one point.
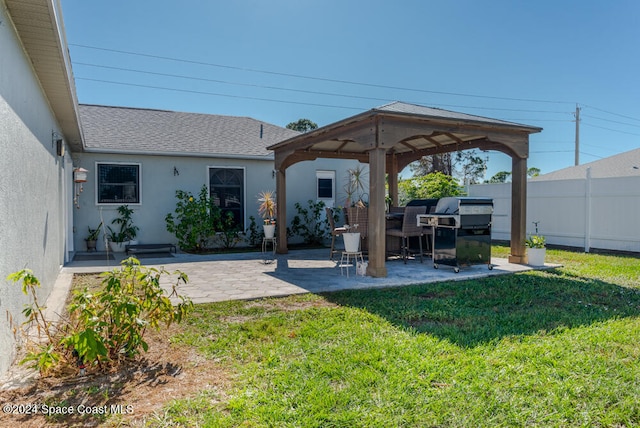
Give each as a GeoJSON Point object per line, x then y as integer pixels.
{"type": "Point", "coordinates": [434, 185]}
{"type": "Point", "coordinates": [308, 225]}
{"type": "Point", "coordinates": [195, 221]}
{"type": "Point", "coordinates": [106, 326]}
{"type": "Point", "coordinates": [253, 236]}
{"type": "Point", "coordinates": [229, 232]}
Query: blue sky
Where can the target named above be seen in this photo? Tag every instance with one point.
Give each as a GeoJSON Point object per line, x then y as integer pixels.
{"type": "Point", "coordinates": [281, 60]}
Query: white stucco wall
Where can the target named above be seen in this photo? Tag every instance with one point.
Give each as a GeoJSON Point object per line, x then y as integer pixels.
{"type": "Point", "coordinates": [159, 184]}
{"type": "Point", "coordinates": [33, 182]}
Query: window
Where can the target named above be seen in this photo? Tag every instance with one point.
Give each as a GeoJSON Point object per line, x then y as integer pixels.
{"type": "Point", "coordinates": [226, 188]}
{"type": "Point", "coordinates": [118, 183]}
{"type": "Point", "coordinates": [325, 184]}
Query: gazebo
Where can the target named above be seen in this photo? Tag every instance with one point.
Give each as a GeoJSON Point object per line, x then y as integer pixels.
{"type": "Point", "coordinates": [390, 137]}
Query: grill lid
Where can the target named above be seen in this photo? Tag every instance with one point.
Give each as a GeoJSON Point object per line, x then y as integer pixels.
{"type": "Point", "coordinates": [464, 205]}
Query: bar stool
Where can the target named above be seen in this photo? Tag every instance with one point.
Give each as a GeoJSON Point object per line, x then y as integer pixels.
{"type": "Point", "coordinates": [349, 259]}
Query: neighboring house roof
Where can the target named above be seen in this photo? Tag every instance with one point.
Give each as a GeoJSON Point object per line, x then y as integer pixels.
{"type": "Point", "coordinates": [621, 165]}
{"type": "Point", "coordinates": [160, 132]}
{"type": "Point", "coordinates": [41, 30]}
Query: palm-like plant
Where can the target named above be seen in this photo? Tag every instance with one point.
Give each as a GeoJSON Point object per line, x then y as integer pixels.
{"type": "Point", "coordinates": [267, 208]}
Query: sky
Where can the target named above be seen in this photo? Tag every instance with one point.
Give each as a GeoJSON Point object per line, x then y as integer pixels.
{"type": "Point", "coordinates": [530, 62]}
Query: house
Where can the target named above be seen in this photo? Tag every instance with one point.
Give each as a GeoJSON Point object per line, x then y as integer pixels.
{"type": "Point", "coordinates": [141, 157]}
{"type": "Point", "coordinates": [625, 164]}
{"type": "Point", "coordinates": [138, 157]}
{"type": "Point", "coordinates": [39, 128]}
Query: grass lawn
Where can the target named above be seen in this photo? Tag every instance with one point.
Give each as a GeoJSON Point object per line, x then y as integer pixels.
{"type": "Point", "coordinates": [553, 348]}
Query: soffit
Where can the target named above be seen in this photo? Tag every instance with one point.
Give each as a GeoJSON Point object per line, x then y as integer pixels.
{"type": "Point", "coordinates": [41, 30]}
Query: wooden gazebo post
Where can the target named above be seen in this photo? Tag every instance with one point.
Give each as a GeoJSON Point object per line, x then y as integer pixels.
{"type": "Point", "coordinates": [518, 209]}
{"type": "Point", "coordinates": [281, 204]}
{"type": "Point", "coordinates": [377, 228]}
{"type": "Point", "coordinates": [392, 174]}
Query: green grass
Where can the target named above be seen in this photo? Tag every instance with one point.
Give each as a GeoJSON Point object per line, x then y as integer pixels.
{"type": "Point", "coordinates": [554, 348]}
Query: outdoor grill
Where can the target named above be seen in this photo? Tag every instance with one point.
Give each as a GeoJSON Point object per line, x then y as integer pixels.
{"type": "Point", "coordinates": [461, 231]}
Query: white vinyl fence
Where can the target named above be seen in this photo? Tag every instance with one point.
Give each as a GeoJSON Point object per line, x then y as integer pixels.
{"type": "Point", "coordinates": [600, 213]}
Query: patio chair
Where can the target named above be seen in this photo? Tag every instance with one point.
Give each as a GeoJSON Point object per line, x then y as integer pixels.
{"type": "Point", "coordinates": [335, 231]}
{"type": "Point", "coordinates": [409, 229]}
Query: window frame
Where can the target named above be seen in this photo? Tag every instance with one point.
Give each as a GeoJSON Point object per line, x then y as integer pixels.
{"type": "Point", "coordinates": [324, 175]}
{"type": "Point", "coordinates": [244, 188]}
{"type": "Point", "coordinates": [138, 184]}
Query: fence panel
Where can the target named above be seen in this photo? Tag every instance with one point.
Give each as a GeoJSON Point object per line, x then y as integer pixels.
{"type": "Point", "coordinates": [586, 213]}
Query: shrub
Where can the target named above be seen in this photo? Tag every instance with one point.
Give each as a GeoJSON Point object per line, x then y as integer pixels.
{"type": "Point", "coordinates": [229, 234]}
{"type": "Point", "coordinates": [253, 236]}
{"type": "Point", "coordinates": [105, 327]}
{"type": "Point", "coordinates": [307, 223]}
{"type": "Point", "coordinates": [195, 220]}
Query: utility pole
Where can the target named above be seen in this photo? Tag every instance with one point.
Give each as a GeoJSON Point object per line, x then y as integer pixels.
{"type": "Point", "coordinates": [577, 114]}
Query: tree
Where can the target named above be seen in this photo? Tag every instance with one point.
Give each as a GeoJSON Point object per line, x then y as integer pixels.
{"type": "Point", "coordinates": [430, 164]}
{"type": "Point", "coordinates": [434, 185]}
{"type": "Point", "coordinates": [503, 176]}
{"type": "Point", "coordinates": [469, 166]}
{"type": "Point", "coordinates": [499, 177]}
{"type": "Point", "coordinates": [303, 125]}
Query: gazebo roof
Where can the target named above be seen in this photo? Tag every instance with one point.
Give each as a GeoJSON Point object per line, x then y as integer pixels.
{"type": "Point", "coordinates": [408, 131]}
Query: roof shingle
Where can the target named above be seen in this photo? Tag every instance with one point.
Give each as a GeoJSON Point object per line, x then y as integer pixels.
{"type": "Point", "coordinates": [146, 131]}
{"type": "Point", "coordinates": [620, 165]}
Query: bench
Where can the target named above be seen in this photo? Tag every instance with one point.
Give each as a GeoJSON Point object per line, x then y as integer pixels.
{"type": "Point", "coordinates": [134, 248]}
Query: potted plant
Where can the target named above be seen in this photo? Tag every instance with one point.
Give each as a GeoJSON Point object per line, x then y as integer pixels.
{"type": "Point", "coordinates": [352, 236]}
{"type": "Point", "coordinates": [537, 248]}
{"type": "Point", "coordinates": [355, 184]}
{"type": "Point", "coordinates": [267, 210]}
{"type": "Point", "coordinates": [92, 238]}
{"type": "Point", "coordinates": [127, 231]}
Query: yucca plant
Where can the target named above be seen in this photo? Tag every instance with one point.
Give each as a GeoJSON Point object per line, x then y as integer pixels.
{"type": "Point", "coordinates": [267, 208]}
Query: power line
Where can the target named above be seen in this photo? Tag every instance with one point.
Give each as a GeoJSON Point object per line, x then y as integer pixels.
{"type": "Point", "coordinates": [299, 76]}
{"type": "Point", "coordinates": [589, 154]}
{"type": "Point", "coordinates": [277, 100]}
{"type": "Point", "coordinates": [609, 129]}
{"type": "Point", "coordinates": [219, 94]}
{"type": "Point", "coordinates": [612, 113]}
{"type": "Point", "coordinates": [280, 88]}
{"type": "Point", "coordinates": [612, 121]}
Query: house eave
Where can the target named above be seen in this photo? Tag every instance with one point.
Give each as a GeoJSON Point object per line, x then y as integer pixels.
{"type": "Point", "coordinates": [268, 157]}
{"type": "Point", "coordinates": [40, 28]}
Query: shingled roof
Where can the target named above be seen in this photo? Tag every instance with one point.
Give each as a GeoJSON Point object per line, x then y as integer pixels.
{"type": "Point", "coordinates": [438, 113]}
{"type": "Point", "coordinates": [161, 132]}
{"type": "Point", "coordinates": [620, 165]}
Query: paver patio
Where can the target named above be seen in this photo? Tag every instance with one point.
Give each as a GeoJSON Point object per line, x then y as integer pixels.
{"type": "Point", "coordinates": [214, 278]}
